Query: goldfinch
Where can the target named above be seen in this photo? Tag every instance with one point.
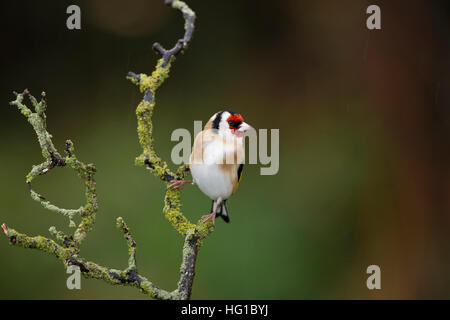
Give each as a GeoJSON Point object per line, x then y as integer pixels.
{"type": "Point", "coordinates": [217, 161]}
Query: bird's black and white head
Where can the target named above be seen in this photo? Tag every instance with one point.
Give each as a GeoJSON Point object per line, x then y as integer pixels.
{"type": "Point", "coordinates": [229, 124]}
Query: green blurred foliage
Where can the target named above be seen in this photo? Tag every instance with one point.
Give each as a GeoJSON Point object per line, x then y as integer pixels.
{"type": "Point", "coordinates": [362, 115]}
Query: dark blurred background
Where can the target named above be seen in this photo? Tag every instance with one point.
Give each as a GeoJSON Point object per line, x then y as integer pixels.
{"type": "Point", "coordinates": [364, 144]}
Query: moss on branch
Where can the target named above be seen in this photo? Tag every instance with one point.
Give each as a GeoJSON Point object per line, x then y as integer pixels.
{"type": "Point", "coordinates": [66, 247]}
{"type": "Point", "coordinates": [53, 159]}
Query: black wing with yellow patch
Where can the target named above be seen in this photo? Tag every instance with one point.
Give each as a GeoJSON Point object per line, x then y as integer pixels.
{"type": "Point", "coordinates": [239, 175]}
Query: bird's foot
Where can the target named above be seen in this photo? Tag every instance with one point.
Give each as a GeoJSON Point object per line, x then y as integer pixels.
{"type": "Point", "coordinates": [178, 184]}
{"type": "Point", "coordinates": [207, 217]}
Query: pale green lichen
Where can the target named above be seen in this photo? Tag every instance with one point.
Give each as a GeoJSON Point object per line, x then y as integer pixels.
{"type": "Point", "coordinates": [38, 242]}
{"type": "Point", "coordinates": [59, 235]}
{"type": "Point", "coordinates": [88, 269]}
{"type": "Point", "coordinates": [122, 226]}
{"type": "Point", "coordinates": [68, 249]}
{"type": "Point", "coordinates": [144, 111]}
{"type": "Point", "coordinates": [157, 78]}
{"type": "Point", "coordinates": [183, 7]}
{"type": "Point", "coordinates": [52, 159]}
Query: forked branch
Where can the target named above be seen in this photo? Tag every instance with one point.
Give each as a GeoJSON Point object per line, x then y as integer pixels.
{"type": "Point", "coordinates": [66, 247]}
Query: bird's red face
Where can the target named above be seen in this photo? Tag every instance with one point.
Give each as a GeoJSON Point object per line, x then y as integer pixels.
{"type": "Point", "coordinates": [229, 123]}
{"type": "Point", "coordinates": [234, 122]}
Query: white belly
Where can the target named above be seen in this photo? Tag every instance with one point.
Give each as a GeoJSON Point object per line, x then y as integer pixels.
{"type": "Point", "coordinates": [212, 181]}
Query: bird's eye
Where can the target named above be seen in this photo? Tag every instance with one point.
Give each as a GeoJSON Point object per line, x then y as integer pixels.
{"type": "Point", "coordinates": [234, 124]}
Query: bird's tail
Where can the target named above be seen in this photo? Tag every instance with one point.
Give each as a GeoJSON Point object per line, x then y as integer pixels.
{"type": "Point", "coordinates": [221, 211]}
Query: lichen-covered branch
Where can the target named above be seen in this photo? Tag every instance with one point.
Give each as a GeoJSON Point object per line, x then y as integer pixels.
{"type": "Point", "coordinates": [66, 247]}
{"type": "Point", "coordinates": [89, 269]}
{"type": "Point", "coordinates": [194, 233]}
{"type": "Point", "coordinates": [52, 159]}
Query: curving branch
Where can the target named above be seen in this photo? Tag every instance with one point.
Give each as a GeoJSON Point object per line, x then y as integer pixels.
{"type": "Point", "coordinates": [66, 247]}
{"type": "Point", "coordinates": [52, 159]}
